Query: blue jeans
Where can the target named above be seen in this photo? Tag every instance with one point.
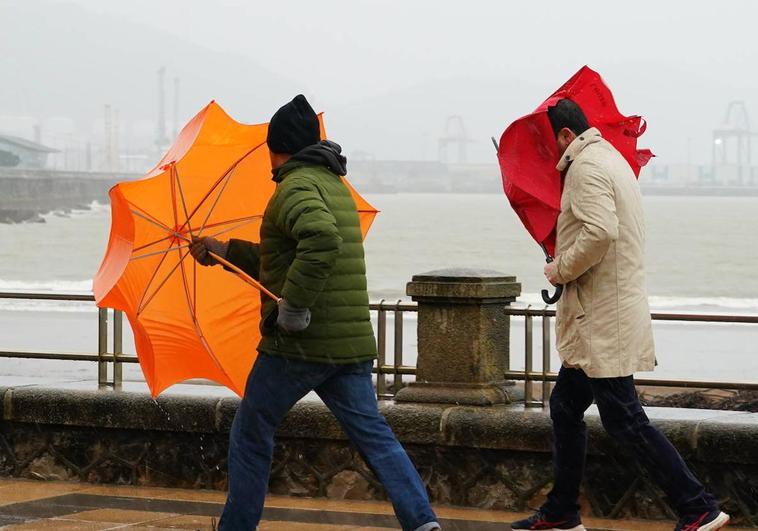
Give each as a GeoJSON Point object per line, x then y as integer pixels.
{"type": "Point", "coordinates": [624, 419]}
{"type": "Point", "coordinates": [275, 384]}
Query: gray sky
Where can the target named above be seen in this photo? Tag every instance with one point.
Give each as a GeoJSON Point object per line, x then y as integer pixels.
{"type": "Point", "coordinates": [389, 73]}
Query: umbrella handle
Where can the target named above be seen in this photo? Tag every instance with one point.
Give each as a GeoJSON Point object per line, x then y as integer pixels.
{"type": "Point", "coordinates": [552, 300]}
{"type": "Point", "coordinates": [558, 289]}
{"type": "Point", "coordinates": [244, 276]}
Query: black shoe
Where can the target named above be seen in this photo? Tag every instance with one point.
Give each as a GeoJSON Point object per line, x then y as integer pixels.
{"type": "Point", "coordinates": [703, 522]}
{"type": "Point", "coordinates": [540, 520]}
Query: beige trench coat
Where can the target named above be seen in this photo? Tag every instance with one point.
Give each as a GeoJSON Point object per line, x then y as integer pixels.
{"type": "Point", "coordinates": [603, 324]}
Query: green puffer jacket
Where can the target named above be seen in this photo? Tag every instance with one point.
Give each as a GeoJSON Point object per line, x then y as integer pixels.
{"type": "Point", "coordinates": [311, 254]}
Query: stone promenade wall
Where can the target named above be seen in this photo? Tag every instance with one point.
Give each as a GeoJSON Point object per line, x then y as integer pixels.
{"type": "Point", "coordinates": [490, 457]}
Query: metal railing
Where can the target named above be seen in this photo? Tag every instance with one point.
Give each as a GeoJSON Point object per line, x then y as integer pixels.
{"type": "Point", "coordinates": [398, 368]}
{"type": "Point", "coordinates": [103, 357]}
{"type": "Point", "coordinates": [546, 376]}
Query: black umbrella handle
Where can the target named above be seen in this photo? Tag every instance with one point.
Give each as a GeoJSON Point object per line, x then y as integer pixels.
{"type": "Point", "coordinates": [558, 289]}
{"type": "Point", "coordinates": [557, 295]}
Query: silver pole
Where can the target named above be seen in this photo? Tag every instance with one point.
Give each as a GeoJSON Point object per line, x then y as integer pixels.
{"type": "Point", "coordinates": [118, 348]}
{"type": "Point", "coordinates": [102, 347]}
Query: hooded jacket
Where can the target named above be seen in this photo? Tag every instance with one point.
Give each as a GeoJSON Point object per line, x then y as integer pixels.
{"type": "Point", "coordinates": [311, 254]}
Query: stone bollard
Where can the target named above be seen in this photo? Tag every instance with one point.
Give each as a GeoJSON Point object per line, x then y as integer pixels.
{"type": "Point", "coordinates": [463, 337]}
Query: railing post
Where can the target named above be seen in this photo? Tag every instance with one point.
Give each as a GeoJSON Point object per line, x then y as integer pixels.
{"type": "Point", "coordinates": [529, 362]}
{"type": "Point", "coordinates": [381, 361]}
{"type": "Point", "coordinates": [545, 359]}
{"type": "Point", "coordinates": [463, 337]}
{"type": "Point", "coordinates": [398, 350]}
{"type": "Point", "coordinates": [118, 347]}
{"type": "Point", "coordinates": [102, 347]}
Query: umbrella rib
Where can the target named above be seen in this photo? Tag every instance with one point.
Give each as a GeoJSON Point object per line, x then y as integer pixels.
{"type": "Point", "coordinates": [150, 282]}
{"type": "Point", "coordinates": [227, 176]}
{"type": "Point", "coordinates": [208, 194]}
{"type": "Point", "coordinates": [245, 220]}
{"type": "Point", "coordinates": [187, 245]}
{"type": "Point", "coordinates": [181, 194]}
{"type": "Point", "coordinates": [145, 246]}
{"type": "Point", "coordinates": [234, 227]}
{"type": "Point", "coordinates": [215, 202]}
{"type": "Point", "coordinates": [196, 323]}
{"type": "Point", "coordinates": [156, 253]}
{"type": "Point", "coordinates": [190, 304]}
{"type": "Point", "coordinates": [142, 307]}
{"type": "Point", "coordinates": [147, 217]}
{"type": "Point", "coordinates": [210, 225]}
{"type": "Point", "coordinates": [172, 184]}
{"type": "Point", "coordinates": [150, 219]}
{"type": "Point", "coordinates": [143, 303]}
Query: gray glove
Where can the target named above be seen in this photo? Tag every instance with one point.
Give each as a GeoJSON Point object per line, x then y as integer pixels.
{"type": "Point", "coordinates": [292, 319]}
{"type": "Point", "coordinates": [201, 247]}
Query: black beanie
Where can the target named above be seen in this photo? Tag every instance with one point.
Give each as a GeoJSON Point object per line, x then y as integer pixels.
{"type": "Point", "coordinates": [293, 127]}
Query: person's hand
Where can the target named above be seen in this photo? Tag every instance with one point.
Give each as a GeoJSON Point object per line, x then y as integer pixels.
{"type": "Point", "coordinates": [201, 248]}
{"type": "Point", "coordinates": [551, 273]}
{"type": "Point", "coordinates": [292, 319]}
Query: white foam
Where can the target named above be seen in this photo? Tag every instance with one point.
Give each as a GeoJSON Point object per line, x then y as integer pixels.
{"type": "Point", "coordinates": [76, 287]}
{"type": "Point", "coordinates": [94, 208]}
{"type": "Point", "coordinates": [51, 286]}
{"type": "Point", "coordinates": [667, 303]}
{"type": "Point", "coordinates": [721, 303]}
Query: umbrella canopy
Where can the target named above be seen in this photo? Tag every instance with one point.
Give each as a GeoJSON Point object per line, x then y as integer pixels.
{"type": "Point", "coordinates": [191, 321]}
{"type": "Point", "coordinates": [528, 155]}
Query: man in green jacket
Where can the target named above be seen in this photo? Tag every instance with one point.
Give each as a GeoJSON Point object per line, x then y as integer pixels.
{"type": "Point", "coordinates": [319, 336]}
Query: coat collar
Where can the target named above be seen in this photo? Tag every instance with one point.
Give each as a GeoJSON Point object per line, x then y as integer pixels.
{"type": "Point", "coordinates": [278, 174]}
{"type": "Point", "coordinates": [590, 136]}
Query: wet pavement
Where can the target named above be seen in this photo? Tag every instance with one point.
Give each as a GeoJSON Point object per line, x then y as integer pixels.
{"type": "Point", "coordinates": [31, 505]}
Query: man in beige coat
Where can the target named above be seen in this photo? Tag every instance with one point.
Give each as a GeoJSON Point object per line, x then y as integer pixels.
{"type": "Point", "coordinates": [603, 328]}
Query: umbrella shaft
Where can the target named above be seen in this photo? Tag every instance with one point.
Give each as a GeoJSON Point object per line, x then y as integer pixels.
{"type": "Point", "coordinates": [548, 258]}
{"type": "Point", "coordinates": [247, 278]}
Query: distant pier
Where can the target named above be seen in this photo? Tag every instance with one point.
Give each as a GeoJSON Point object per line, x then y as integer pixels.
{"type": "Point", "coordinates": [27, 194]}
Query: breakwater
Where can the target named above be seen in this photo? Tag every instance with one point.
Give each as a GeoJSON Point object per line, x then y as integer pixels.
{"type": "Point", "coordinates": [26, 194]}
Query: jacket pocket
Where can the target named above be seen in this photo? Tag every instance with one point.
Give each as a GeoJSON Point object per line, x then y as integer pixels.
{"type": "Point", "coordinates": [569, 322]}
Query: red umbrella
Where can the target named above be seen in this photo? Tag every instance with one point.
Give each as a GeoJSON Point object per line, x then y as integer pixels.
{"type": "Point", "coordinates": [528, 155]}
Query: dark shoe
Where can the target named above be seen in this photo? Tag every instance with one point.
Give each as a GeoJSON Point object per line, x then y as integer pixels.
{"type": "Point", "coordinates": [540, 520]}
{"type": "Point", "coordinates": [704, 522]}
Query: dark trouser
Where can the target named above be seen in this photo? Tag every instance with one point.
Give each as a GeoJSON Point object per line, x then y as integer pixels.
{"type": "Point", "coordinates": [273, 387]}
{"type": "Point", "coordinates": [625, 420]}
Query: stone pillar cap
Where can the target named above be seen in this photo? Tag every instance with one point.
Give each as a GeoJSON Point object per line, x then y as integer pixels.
{"type": "Point", "coordinates": [464, 284]}
{"type": "Point", "coordinates": [463, 274]}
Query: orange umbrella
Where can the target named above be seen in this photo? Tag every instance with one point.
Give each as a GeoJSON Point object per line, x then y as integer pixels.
{"type": "Point", "coordinates": [191, 321]}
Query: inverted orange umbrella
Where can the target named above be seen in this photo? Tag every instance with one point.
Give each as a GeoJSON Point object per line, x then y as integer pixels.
{"type": "Point", "coordinates": [190, 321]}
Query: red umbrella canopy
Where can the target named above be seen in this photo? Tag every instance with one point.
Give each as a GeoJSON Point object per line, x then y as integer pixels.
{"type": "Point", "coordinates": [528, 155]}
